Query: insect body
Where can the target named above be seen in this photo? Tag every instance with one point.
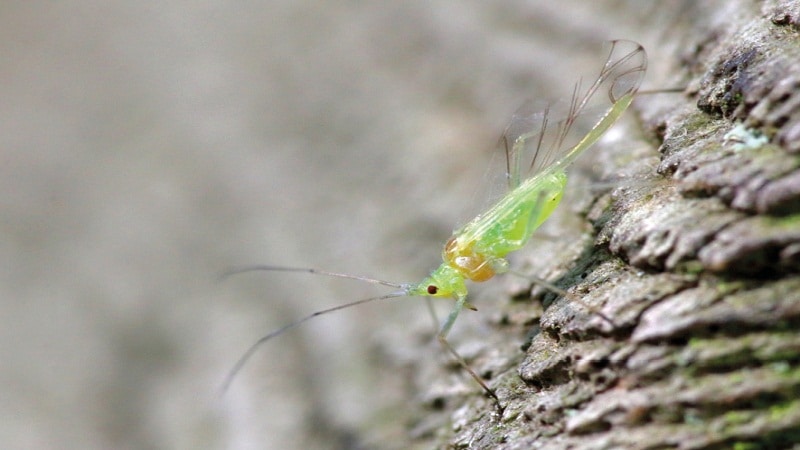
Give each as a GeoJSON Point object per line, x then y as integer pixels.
{"type": "Point", "coordinates": [477, 251]}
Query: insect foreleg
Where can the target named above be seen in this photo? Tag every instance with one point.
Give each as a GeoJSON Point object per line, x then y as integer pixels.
{"type": "Point", "coordinates": [442, 337]}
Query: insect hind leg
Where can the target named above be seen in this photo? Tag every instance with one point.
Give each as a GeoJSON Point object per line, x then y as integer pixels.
{"type": "Point", "coordinates": [572, 297]}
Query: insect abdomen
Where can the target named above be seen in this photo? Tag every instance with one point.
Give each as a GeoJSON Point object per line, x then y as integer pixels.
{"type": "Point", "coordinates": [520, 214]}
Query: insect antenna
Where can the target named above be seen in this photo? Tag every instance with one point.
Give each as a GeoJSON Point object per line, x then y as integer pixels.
{"type": "Point", "coordinates": [672, 90]}
{"type": "Point", "coordinates": [266, 268]}
{"type": "Point", "coordinates": [404, 292]}
{"type": "Point", "coordinates": [250, 351]}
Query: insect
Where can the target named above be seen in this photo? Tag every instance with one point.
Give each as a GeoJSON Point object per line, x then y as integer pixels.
{"type": "Point", "coordinates": [538, 151]}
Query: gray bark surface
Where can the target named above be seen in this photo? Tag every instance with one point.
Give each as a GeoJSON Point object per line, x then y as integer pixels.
{"type": "Point", "coordinates": [146, 147]}
{"type": "Point", "coordinates": [697, 269]}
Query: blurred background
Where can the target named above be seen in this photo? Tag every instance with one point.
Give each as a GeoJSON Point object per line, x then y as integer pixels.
{"type": "Point", "coordinates": [146, 147]}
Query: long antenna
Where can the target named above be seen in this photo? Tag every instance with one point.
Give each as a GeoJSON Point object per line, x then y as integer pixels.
{"type": "Point", "coordinates": [250, 351]}
{"type": "Point", "coordinates": [671, 90]}
{"type": "Point", "coordinates": [261, 267]}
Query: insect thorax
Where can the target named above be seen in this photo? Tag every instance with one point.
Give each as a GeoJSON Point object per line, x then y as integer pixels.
{"type": "Point", "coordinates": [470, 264]}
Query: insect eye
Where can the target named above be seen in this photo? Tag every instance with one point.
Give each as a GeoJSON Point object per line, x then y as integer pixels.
{"type": "Point", "coordinates": [432, 289]}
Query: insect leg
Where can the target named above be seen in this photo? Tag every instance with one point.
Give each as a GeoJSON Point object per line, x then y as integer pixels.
{"type": "Point", "coordinates": [442, 336]}
{"type": "Point", "coordinates": [558, 291]}
{"type": "Point", "coordinates": [432, 312]}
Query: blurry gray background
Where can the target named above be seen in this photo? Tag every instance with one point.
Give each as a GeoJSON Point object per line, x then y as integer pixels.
{"type": "Point", "coordinates": [145, 147]}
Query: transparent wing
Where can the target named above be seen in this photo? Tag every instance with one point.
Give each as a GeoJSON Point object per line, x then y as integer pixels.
{"type": "Point", "coordinates": [554, 135]}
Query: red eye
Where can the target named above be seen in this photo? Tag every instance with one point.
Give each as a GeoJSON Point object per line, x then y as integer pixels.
{"type": "Point", "coordinates": [432, 290]}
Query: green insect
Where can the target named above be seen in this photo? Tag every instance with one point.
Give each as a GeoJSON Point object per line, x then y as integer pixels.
{"type": "Point", "coordinates": [477, 251]}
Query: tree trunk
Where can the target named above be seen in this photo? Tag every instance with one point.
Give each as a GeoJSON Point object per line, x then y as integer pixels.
{"type": "Point", "coordinates": [695, 263]}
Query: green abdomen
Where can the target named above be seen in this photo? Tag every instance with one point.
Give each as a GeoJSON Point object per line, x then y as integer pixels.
{"type": "Point", "coordinates": [508, 226]}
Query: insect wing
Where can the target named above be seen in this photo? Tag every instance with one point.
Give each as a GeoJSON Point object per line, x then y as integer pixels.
{"type": "Point", "coordinates": [556, 133]}
{"type": "Point", "coordinates": [527, 126]}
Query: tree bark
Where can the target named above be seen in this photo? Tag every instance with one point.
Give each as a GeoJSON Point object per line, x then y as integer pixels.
{"type": "Point", "coordinates": [696, 264]}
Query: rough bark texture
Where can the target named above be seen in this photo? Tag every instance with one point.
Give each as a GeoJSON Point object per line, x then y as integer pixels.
{"type": "Point", "coordinates": [697, 268]}
{"type": "Point", "coordinates": [147, 146]}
